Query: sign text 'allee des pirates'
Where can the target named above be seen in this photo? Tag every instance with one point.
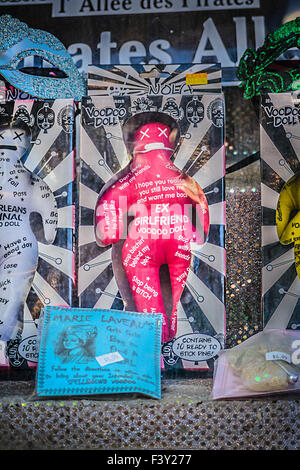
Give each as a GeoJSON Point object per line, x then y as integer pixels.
{"type": "Point", "coordinates": [105, 32]}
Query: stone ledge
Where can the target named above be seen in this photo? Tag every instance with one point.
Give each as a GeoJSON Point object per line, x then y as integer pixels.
{"type": "Point", "coordinates": [184, 418]}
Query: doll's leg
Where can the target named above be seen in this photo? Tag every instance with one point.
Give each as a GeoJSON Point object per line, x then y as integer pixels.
{"type": "Point", "coordinates": [16, 275]}
{"type": "Point", "coordinates": [143, 277]}
{"type": "Point", "coordinates": [178, 268]}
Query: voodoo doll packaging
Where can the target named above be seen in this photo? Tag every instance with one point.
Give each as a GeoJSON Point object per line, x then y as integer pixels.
{"type": "Point", "coordinates": [280, 174]}
{"type": "Point", "coordinates": [36, 221]}
{"type": "Point", "coordinates": [39, 84]}
{"type": "Point", "coordinates": [151, 197]}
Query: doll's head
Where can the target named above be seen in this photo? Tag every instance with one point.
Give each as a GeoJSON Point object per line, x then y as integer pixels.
{"type": "Point", "coordinates": [149, 131]}
{"type": "Point", "coordinates": [153, 136]}
{"type": "Point", "coordinates": [14, 139]}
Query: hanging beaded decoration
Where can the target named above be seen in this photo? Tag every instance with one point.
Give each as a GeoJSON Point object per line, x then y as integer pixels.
{"type": "Point", "coordinates": [253, 67]}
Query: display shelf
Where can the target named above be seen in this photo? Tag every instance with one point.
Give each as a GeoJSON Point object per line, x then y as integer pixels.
{"type": "Point", "coordinates": [184, 418]}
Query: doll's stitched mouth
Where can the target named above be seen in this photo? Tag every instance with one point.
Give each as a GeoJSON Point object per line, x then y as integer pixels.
{"type": "Point", "coordinates": [153, 146]}
{"type": "Point", "coordinates": [8, 147]}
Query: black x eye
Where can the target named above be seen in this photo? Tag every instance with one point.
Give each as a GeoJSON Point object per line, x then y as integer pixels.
{"type": "Point", "coordinates": [1, 135]}
{"type": "Point", "coordinates": [18, 136]}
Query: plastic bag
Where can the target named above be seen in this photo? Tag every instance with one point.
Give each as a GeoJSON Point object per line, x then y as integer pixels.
{"type": "Point", "coordinates": [266, 363]}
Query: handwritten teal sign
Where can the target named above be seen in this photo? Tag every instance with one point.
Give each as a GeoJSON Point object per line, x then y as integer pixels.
{"type": "Point", "coordinates": [91, 351]}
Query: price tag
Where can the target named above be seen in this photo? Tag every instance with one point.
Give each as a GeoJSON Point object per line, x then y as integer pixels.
{"type": "Point", "coordinates": [278, 356]}
{"type": "Point", "coordinates": [196, 78]}
{"type": "Point", "coordinates": [109, 358]}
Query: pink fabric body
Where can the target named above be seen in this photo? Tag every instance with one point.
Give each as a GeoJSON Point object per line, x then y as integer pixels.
{"type": "Point", "coordinates": [161, 230]}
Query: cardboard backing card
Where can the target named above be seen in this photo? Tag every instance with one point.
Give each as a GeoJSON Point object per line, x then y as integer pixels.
{"type": "Point", "coordinates": [50, 161]}
{"type": "Point", "coordinates": [280, 152]}
{"type": "Point", "coordinates": [105, 159]}
{"type": "Point", "coordinates": [158, 79]}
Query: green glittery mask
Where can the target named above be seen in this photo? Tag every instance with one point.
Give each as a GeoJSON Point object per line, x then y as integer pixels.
{"type": "Point", "coordinates": [253, 67]}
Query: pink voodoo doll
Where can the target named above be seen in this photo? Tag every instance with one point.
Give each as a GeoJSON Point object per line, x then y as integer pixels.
{"type": "Point", "coordinates": [169, 210]}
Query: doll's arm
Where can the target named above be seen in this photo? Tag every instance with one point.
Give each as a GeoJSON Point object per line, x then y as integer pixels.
{"type": "Point", "coordinates": [199, 202]}
{"type": "Point", "coordinates": [43, 202]}
{"type": "Point", "coordinates": [110, 210]}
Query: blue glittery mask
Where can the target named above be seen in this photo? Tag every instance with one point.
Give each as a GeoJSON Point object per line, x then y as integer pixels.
{"type": "Point", "coordinates": [18, 41]}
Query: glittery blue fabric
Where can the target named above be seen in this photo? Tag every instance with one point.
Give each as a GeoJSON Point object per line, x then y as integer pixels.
{"type": "Point", "coordinates": [18, 41]}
